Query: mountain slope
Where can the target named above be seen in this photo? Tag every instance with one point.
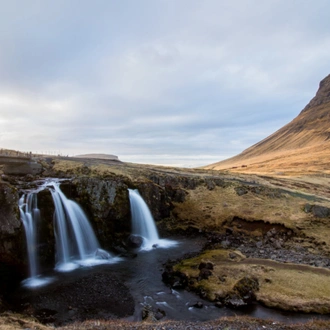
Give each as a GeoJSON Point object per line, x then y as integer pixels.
{"type": "Point", "coordinates": [303, 145]}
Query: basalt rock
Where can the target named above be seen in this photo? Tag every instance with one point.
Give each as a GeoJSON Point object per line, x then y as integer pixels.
{"type": "Point", "coordinates": [317, 210]}
{"type": "Point", "coordinates": [243, 292]}
{"type": "Point", "coordinates": [175, 279]}
{"type": "Point", "coordinates": [11, 231]}
{"type": "Point", "coordinates": [134, 241]}
{"type": "Point", "coordinates": [106, 203]}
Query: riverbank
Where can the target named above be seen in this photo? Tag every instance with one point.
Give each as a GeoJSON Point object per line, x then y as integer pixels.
{"type": "Point", "coordinates": [11, 321]}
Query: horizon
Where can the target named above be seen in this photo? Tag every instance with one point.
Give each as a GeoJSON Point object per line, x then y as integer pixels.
{"type": "Point", "coordinates": [173, 83]}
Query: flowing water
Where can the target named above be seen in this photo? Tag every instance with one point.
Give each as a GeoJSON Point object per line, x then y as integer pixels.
{"type": "Point", "coordinates": [143, 224]}
{"type": "Point", "coordinates": [76, 243]}
{"type": "Point", "coordinates": [143, 276]}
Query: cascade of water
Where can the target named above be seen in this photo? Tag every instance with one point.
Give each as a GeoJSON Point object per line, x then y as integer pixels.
{"type": "Point", "coordinates": [30, 216]}
{"type": "Point", "coordinates": [75, 238]}
{"type": "Point", "coordinates": [143, 223]}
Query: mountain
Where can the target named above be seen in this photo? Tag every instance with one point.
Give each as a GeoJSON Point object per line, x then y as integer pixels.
{"type": "Point", "coordinates": [302, 146]}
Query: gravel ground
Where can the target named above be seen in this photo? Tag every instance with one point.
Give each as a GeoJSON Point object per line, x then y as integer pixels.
{"type": "Point", "coordinates": [97, 295]}
{"type": "Point", "coordinates": [235, 323]}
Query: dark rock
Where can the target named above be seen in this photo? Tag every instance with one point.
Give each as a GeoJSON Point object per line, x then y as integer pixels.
{"type": "Point", "coordinates": [235, 302]}
{"type": "Point", "coordinates": [277, 245]}
{"type": "Point", "coordinates": [308, 208]}
{"type": "Point", "coordinates": [229, 231]}
{"type": "Point", "coordinates": [218, 304]}
{"type": "Point", "coordinates": [321, 211]}
{"type": "Point", "coordinates": [222, 278]}
{"type": "Point", "coordinates": [134, 241]}
{"type": "Point", "coordinates": [225, 244]}
{"type": "Point", "coordinates": [210, 184]}
{"type": "Point", "coordinates": [175, 279]}
{"type": "Point", "coordinates": [259, 244]}
{"type": "Point", "coordinates": [205, 273]}
{"type": "Point", "coordinates": [11, 229]}
{"type": "Point", "coordinates": [246, 288]}
{"type": "Point", "coordinates": [206, 265]}
{"type": "Point", "coordinates": [159, 314]}
{"type": "Point", "coordinates": [198, 304]}
{"type": "Point", "coordinates": [241, 191]}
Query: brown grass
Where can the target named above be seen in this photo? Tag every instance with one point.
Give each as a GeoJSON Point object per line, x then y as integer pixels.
{"type": "Point", "coordinates": [285, 286]}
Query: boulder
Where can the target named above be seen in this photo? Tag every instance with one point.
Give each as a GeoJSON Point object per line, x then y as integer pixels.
{"type": "Point", "coordinates": [134, 241]}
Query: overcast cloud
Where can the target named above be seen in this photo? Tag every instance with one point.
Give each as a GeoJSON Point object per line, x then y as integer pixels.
{"type": "Point", "coordinates": [180, 82]}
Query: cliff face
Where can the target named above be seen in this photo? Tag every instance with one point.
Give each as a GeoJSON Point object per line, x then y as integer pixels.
{"type": "Point", "coordinates": [105, 200]}
{"type": "Point", "coordinates": [302, 144]}
{"type": "Point", "coordinates": [10, 225]}
{"type": "Point", "coordinates": [322, 96]}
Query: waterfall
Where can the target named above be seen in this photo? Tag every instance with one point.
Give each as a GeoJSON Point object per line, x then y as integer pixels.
{"type": "Point", "coordinates": [143, 223]}
{"type": "Point", "coordinates": [76, 243]}
{"type": "Point", "coordinates": [30, 216]}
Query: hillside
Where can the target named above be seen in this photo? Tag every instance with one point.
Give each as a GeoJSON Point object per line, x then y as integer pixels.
{"type": "Point", "coordinates": [302, 146]}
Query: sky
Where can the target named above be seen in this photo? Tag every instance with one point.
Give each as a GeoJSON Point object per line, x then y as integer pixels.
{"type": "Point", "coordinates": [173, 82]}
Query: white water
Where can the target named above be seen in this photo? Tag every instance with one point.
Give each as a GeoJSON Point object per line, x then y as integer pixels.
{"type": "Point", "coordinates": [76, 243]}
{"type": "Point", "coordinates": [143, 223]}
{"type": "Point", "coordinates": [30, 216]}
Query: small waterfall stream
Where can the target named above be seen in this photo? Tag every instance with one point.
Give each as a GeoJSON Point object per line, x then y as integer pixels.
{"type": "Point", "coordinates": [30, 216]}
{"type": "Point", "coordinates": [76, 243]}
{"type": "Point", "coordinates": [143, 224]}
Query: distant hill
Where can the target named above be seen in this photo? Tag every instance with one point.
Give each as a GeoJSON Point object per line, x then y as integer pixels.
{"type": "Point", "coordinates": [303, 145]}
{"type": "Point", "coordinates": [98, 156]}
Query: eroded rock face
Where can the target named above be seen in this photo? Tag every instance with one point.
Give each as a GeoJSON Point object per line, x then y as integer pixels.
{"type": "Point", "coordinates": [11, 233]}
{"type": "Point", "coordinates": [106, 204]}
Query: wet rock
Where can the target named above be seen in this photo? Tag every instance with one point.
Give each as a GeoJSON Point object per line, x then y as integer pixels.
{"type": "Point", "coordinates": [101, 254]}
{"type": "Point", "coordinates": [218, 304]}
{"type": "Point", "coordinates": [134, 241]}
{"type": "Point", "coordinates": [175, 279]}
{"type": "Point", "coordinates": [11, 229]}
{"type": "Point", "coordinates": [159, 314]}
{"type": "Point", "coordinates": [198, 304]}
{"type": "Point", "coordinates": [235, 302]}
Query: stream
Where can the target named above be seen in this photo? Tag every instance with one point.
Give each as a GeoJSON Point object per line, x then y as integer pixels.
{"type": "Point", "coordinates": [124, 288]}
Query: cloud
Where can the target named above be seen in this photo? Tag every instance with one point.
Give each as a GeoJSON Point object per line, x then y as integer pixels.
{"type": "Point", "coordinates": [159, 81]}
